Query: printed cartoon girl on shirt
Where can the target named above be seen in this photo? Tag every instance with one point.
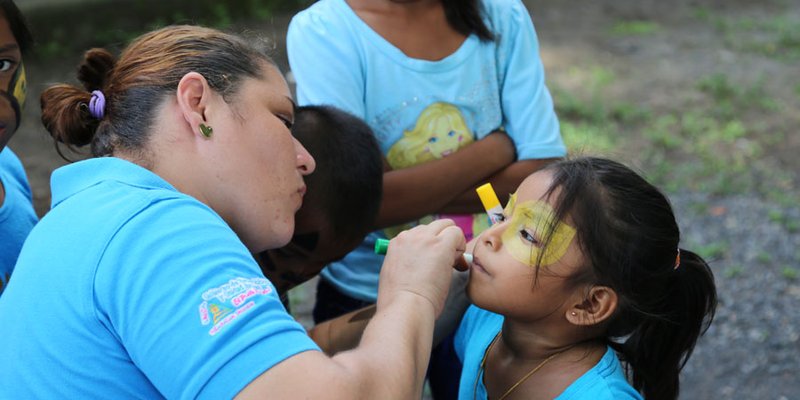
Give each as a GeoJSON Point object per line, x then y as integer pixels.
{"type": "Point", "coordinates": [440, 131]}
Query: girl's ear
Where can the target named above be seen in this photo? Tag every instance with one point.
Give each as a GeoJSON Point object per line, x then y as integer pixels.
{"type": "Point", "coordinates": [193, 96]}
{"type": "Point", "coordinates": [597, 306]}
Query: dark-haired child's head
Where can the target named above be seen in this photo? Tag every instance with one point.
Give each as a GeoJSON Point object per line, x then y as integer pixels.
{"type": "Point", "coordinates": [15, 40]}
{"type": "Point", "coordinates": [342, 199]}
{"type": "Point", "coordinates": [596, 247]}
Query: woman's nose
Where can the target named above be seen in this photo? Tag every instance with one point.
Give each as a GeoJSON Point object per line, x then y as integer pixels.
{"type": "Point", "coordinates": [305, 162]}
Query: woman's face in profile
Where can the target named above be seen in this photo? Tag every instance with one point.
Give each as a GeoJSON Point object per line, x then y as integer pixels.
{"type": "Point", "coordinates": [262, 164]}
{"type": "Point", "coordinates": [10, 62]}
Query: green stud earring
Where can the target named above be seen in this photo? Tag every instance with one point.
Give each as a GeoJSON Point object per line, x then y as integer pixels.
{"type": "Point", "coordinates": [206, 130]}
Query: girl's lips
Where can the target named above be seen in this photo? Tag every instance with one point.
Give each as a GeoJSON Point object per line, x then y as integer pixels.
{"type": "Point", "coordinates": [476, 265]}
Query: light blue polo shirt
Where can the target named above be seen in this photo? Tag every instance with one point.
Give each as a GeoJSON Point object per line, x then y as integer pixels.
{"type": "Point", "coordinates": [605, 381]}
{"type": "Point", "coordinates": [129, 289]}
{"type": "Point", "coordinates": [17, 216]}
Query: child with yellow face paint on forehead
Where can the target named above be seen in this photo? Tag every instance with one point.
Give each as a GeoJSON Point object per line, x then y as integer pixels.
{"type": "Point", "coordinates": [583, 271]}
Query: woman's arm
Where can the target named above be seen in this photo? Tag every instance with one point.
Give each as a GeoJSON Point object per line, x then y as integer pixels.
{"type": "Point", "coordinates": [392, 356]}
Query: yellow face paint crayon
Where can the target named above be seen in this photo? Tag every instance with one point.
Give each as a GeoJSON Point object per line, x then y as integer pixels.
{"type": "Point", "coordinates": [490, 202]}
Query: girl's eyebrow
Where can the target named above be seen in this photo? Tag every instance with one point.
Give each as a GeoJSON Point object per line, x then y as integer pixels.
{"type": "Point", "coordinates": [9, 47]}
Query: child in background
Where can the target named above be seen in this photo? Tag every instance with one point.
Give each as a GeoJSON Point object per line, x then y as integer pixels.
{"type": "Point", "coordinates": [584, 268]}
{"type": "Point", "coordinates": [17, 216]}
{"type": "Point", "coordinates": [342, 198]}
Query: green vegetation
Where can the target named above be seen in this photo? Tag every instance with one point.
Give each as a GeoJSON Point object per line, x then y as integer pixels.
{"type": "Point", "coordinates": [58, 35]}
{"type": "Point", "coordinates": [789, 273]}
{"type": "Point", "coordinates": [733, 271]}
{"type": "Point", "coordinates": [635, 28]}
{"type": "Point", "coordinates": [773, 36]}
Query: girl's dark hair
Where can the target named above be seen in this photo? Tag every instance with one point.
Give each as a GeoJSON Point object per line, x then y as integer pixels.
{"type": "Point", "coordinates": [465, 16]}
{"type": "Point", "coordinates": [147, 71]}
{"type": "Point", "coordinates": [17, 24]}
{"type": "Point", "coordinates": [627, 231]}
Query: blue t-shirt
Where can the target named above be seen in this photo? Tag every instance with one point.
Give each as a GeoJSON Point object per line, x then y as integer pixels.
{"type": "Point", "coordinates": [17, 216]}
{"type": "Point", "coordinates": [128, 288]}
{"type": "Point", "coordinates": [605, 381]}
{"type": "Point", "coordinates": [422, 110]}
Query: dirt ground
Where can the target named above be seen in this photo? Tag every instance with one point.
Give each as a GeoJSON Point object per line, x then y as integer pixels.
{"type": "Point", "coordinates": [654, 55]}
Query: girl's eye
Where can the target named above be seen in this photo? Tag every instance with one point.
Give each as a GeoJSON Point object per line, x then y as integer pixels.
{"type": "Point", "coordinates": [6, 65]}
{"type": "Point", "coordinates": [528, 237]}
{"type": "Point", "coordinates": [451, 133]}
{"type": "Point", "coordinates": [433, 140]}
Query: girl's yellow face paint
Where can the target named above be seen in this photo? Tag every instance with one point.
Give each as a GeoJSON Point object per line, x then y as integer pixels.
{"type": "Point", "coordinates": [528, 226]}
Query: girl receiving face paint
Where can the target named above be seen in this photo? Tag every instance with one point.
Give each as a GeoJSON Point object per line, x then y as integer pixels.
{"type": "Point", "coordinates": [584, 271]}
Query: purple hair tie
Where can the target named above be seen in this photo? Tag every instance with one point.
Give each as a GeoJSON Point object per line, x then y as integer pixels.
{"type": "Point", "coordinates": [97, 105]}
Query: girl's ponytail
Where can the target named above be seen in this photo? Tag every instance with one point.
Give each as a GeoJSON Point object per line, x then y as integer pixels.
{"type": "Point", "coordinates": [659, 347]}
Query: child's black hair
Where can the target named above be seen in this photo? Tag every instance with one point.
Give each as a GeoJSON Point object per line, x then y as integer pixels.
{"type": "Point", "coordinates": [349, 173]}
{"type": "Point", "coordinates": [628, 233]}
{"type": "Point", "coordinates": [466, 17]}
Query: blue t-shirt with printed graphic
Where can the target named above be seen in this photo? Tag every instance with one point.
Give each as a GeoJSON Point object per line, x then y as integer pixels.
{"type": "Point", "coordinates": [422, 110]}
{"type": "Point", "coordinates": [17, 216]}
{"type": "Point", "coordinates": [128, 288]}
{"type": "Point", "coordinates": [605, 381]}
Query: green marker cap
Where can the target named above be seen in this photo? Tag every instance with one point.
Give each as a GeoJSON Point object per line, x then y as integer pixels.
{"type": "Point", "coordinates": [381, 245]}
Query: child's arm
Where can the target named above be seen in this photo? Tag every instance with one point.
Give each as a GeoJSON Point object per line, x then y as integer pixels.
{"type": "Point", "coordinates": [505, 182]}
{"type": "Point", "coordinates": [411, 193]}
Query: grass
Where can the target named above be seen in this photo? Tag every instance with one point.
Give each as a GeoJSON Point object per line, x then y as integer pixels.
{"type": "Point", "coordinates": [715, 144]}
{"type": "Point", "coordinates": [789, 273]}
{"type": "Point", "coordinates": [635, 28]}
{"type": "Point", "coordinates": [776, 37]}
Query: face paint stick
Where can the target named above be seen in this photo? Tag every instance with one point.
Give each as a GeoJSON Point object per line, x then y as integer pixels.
{"type": "Point", "coordinates": [490, 202]}
{"type": "Point", "coordinates": [381, 245]}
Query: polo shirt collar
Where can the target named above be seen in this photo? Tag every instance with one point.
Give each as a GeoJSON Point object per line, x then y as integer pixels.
{"type": "Point", "coordinates": [71, 179]}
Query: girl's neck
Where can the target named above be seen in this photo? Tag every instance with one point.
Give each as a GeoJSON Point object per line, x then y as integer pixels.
{"type": "Point", "coordinates": [557, 357]}
{"type": "Point", "coordinates": [417, 28]}
{"type": "Point", "coordinates": [535, 341]}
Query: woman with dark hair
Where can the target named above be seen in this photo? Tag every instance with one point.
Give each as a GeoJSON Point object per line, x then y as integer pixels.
{"type": "Point", "coordinates": [586, 269]}
{"type": "Point", "coordinates": [17, 216]}
{"type": "Point", "coordinates": [140, 281]}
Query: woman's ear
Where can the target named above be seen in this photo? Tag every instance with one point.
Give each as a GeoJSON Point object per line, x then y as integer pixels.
{"type": "Point", "coordinates": [597, 306]}
{"type": "Point", "coordinates": [194, 95]}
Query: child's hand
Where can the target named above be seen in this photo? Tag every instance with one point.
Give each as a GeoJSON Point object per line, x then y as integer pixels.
{"type": "Point", "coordinates": [420, 261]}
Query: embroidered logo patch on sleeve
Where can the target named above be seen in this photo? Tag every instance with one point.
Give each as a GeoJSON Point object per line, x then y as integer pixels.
{"type": "Point", "coordinates": [222, 305]}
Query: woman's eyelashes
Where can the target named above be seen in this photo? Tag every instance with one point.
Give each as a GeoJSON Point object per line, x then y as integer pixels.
{"type": "Point", "coordinates": [288, 121]}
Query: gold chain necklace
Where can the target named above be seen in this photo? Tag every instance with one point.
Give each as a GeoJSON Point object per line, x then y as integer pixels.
{"type": "Point", "coordinates": [519, 382]}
